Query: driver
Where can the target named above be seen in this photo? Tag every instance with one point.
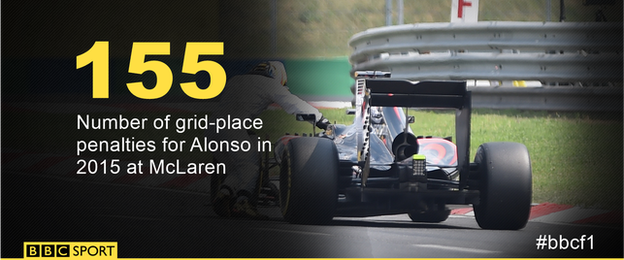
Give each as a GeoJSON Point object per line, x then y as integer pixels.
{"type": "Point", "coordinates": [246, 96]}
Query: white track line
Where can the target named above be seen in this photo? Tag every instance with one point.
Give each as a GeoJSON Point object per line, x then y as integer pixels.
{"type": "Point", "coordinates": [459, 249]}
{"type": "Point", "coordinates": [294, 232]}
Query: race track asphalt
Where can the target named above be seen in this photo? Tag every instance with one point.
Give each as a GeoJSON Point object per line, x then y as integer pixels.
{"type": "Point", "coordinates": [154, 222]}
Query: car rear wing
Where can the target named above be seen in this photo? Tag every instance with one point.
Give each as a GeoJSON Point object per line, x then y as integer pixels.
{"type": "Point", "coordinates": [377, 89]}
{"type": "Point", "coordinates": [428, 94]}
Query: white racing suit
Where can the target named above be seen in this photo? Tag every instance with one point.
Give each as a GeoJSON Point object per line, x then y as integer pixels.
{"type": "Point", "coordinates": [246, 96]}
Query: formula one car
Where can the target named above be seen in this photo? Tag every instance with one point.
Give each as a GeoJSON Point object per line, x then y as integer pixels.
{"type": "Point", "coordinates": [378, 166]}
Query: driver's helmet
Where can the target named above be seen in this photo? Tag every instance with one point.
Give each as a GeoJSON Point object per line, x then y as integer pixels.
{"type": "Point", "coordinates": [271, 69]}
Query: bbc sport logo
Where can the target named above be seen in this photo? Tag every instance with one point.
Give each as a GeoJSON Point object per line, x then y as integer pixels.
{"type": "Point", "coordinates": [64, 250]}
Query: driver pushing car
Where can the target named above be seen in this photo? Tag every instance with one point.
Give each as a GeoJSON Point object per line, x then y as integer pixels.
{"type": "Point", "coordinates": [246, 96]}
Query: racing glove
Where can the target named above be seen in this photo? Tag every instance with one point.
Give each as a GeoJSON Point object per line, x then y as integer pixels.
{"type": "Point", "coordinates": [323, 123]}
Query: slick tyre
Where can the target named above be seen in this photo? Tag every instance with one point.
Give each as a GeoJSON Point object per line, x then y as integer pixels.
{"type": "Point", "coordinates": [215, 182]}
{"type": "Point", "coordinates": [504, 184]}
{"type": "Point", "coordinates": [308, 181]}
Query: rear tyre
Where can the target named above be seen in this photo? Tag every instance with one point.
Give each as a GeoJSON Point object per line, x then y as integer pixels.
{"type": "Point", "coordinates": [215, 182]}
{"type": "Point", "coordinates": [504, 185]}
{"type": "Point", "coordinates": [308, 181]}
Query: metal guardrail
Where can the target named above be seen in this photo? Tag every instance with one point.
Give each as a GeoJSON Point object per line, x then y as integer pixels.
{"type": "Point", "coordinates": [559, 52]}
{"type": "Point", "coordinates": [586, 53]}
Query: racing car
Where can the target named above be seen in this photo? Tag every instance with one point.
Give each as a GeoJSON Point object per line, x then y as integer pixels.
{"type": "Point", "coordinates": [379, 166]}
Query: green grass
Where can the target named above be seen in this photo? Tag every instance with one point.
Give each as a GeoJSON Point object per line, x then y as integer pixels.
{"type": "Point", "coordinates": [576, 157]}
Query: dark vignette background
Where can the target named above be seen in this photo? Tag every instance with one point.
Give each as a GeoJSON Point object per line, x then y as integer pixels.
{"type": "Point", "coordinates": [41, 42]}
